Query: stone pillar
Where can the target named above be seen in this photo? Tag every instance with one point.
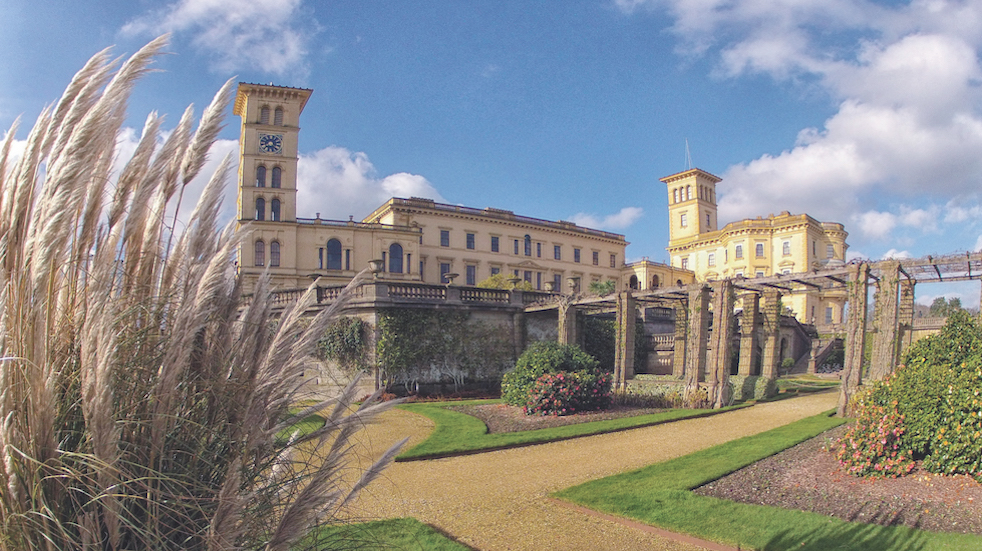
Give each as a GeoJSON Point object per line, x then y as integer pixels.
{"type": "Point", "coordinates": [905, 315]}
{"type": "Point", "coordinates": [719, 364]}
{"type": "Point", "coordinates": [772, 334]}
{"type": "Point", "coordinates": [885, 341]}
{"type": "Point", "coordinates": [567, 323]}
{"type": "Point", "coordinates": [852, 365]}
{"type": "Point", "coordinates": [681, 324]}
{"type": "Point", "coordinates": [695, 353]}
{"type": "Point", "coordinates": [748, 333]}
{"type": "Point", "coordinates": [518, 333]}
{"type": "Point", "coordinates": [624, 353]}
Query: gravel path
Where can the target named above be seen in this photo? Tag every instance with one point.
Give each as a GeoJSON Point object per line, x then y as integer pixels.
{"type": "Point", "coordinates": [499, 500]}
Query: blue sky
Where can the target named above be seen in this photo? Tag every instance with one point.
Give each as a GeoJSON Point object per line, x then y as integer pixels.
{"type": "Point", "coordinates": [861, 112]}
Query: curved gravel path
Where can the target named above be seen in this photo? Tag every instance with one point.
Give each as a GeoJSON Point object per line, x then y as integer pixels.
{"type": "Point", "coordinates": [499, 500]}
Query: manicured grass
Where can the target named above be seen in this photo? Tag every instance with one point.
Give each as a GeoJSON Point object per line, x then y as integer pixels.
{"type": "Point", "coordinates": [407, 534]}
{"type": "Point", "coordinates": [660, 495]}
{"type": "Point", "coordinates": [804, 384]}
{"type": "Point", "coordinates": [456, 433]}
{"type": "Point", "coordinates": [305, 426]}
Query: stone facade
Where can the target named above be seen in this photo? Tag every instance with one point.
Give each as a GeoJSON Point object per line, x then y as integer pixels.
{"type": "Point", "coordinates": [762, 247]}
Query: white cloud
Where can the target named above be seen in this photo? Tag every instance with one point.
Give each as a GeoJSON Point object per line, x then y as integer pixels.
{"type": "Point", "coordinates": [337, 183]}
{"type": "Point", "coordinates": [617, 221]}
{"type": "Point", "coordinates": [896, 255]}
{"type": "Point", "coordinates": [978, 244]}
{"type": "Point", "coordinates": [271, 35]}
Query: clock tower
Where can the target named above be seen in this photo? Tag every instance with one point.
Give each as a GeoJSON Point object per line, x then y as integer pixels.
{"type": "Point", "coordinates": [268, 151]}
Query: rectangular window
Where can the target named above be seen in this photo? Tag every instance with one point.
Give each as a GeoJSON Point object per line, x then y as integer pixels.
{"type": "Point", "coordinates": [444, 238]}
{"type": "Point", "coordinates": [738, 253]}
{"type": "Point", "coordinates": [557, 283]}
{"type": "Point", "coordinates": [683, 220]}
{"type": "Point", "coordinates": [494, 243]}
{"type": "Point", "coordinates": [347, 259]}
{"type": "Point", "coordinates": [320, 258]}
{"type": "Point", "coordinates": [786, 248]}
{"type": "Point", "coordinates": [596, 258]}
{"type": "Point", "coordinates": [384, 262]}
{"type": "Point", "coordinates": [444, 270]}
{"type": "Point", "coordinates": [495, 270]}
{"type": "Point", "coordinates": [420, 270]}
{"type": "Point", "coordinates": [828, 314]}
{"type": "Point", "coordinates": [759, 250]}
{"type": "Point", "coordinates": [685, 263]}
{"type": "Point", "coordinates": [814, 249]}
{"type": "Point", "coordinates": [786, 271]}
{"type": "Point", "coordinates": [759, 274]}
{"type": "Point", "coordinates": [470, 241]}
{"type": "Point", "coordinates": [711, 259]}
{"type": "Point", "coordinates": [538, 281]}
{"type": "Point", "coordinates": [538, 250]}
{"type": "Point", "coordinates": [830, 251]}
{"type": "Point", "coordinates": [557, 252]}
{"type": "Point", "coordinates": [516, 273]}
{"type": "Point", "coordinates": [471, 275]}
{"type": "Point", "coordinates": [709, 223]}
{"type": "Point", "coordinates": [528, 276]}
{"type": "Point", "coordinates": [613, 261]}
{"type": "Point", "coordinates": [516, 246]}
{"type": "Point", "coordinates": [576, 255]}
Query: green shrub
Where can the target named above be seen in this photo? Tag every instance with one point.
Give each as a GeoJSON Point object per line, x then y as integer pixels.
{"type": "Point", "coordinates": [874, 447]}
{"type": "Point", "coordinates": [957, 446]}
{"type": "Point", "coordinates": [566, 393]}
{"type": "Point", "coordinates": [752, 387]}
{"type": "Point", "coordinates": [539, 359]}
{"type": "Point", "coordinates": [935, 395]}
{"type": "Point", "coordinates": [650, 396]}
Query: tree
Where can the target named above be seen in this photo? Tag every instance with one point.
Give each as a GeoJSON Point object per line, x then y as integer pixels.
{"type": "Point", "coordinates": [499, 281]}
{"type": "Point", "coordinates": [942, 307]}
{"type": "Point", "coordinates": [603, 288]}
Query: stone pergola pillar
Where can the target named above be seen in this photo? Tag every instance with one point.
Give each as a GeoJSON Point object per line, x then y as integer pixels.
{"type": "Point", "coordinates": [885, 340]}
{"type": "Point", "coordinates": [624, 353]}
{"type": "Point", "coordinates": [905, 315]}
{"type": "Point", "coordinates": [698, 336]}
{"type": "Point", "coordinates": [772, 333]}
{"type": "Point", "coordinates": [719, 364]}
{"type": "Point", "coordinates": [681, 325]}
{"type": "Point", "coordinates": [567, 323]}
{"type": "Point", "coordinates": [852, 365]}
{"type": "Point", "coordinates": [748, 333]}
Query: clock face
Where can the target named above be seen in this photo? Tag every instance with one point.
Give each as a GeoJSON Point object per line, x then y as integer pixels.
{"type": "Point", "coordinates": [271, 143]}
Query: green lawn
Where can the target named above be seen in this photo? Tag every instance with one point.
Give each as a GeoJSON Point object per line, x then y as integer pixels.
{"type": "Point", "coordinates": [405, 534]}
{"type": "Point", "coordinates": [456, 433]}
{"type": "Point", "coordinates": [659, 495]}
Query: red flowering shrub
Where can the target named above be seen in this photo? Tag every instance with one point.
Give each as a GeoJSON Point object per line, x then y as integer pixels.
{"type": "Point", "coordinates": [873, 447]}
{"type": "Point", "coordinates": [565, 393]}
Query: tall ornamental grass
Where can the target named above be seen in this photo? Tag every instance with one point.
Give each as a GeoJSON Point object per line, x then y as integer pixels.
{"type": "Point", "coordinates": [140, 398]}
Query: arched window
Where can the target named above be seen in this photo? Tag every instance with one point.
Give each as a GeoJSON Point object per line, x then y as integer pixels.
{"type": "Point", "coordinates": [278, 116]}
{"type": "Point", "coordinates": [260, 256]}
{"type": "Point", "coordinates": [277, 175]}
{"type": "Point", "coordinates": [264, 115]}
{"type": "Point", "coordinates": [260, 208]}
{"type": "Point", "coordinates": [675, 193]}
{"type": "Point", "coordinates": [634, 282]}
{"type": "Point", "coordinates": [395, 258]}
{"type": "Point", "coordinates": [655, 282]}
{"type": "Point", "coordinates": [333, 254]}
{"type": "Point", "coordinates": [528, 245]}
{"type": "Point", "coordinates": [688, 193]}
{"type": "Point", "coordinates": [274, 210]}
{"type": "Point", "coordinates": [260, 176]}
{"type": "Point", "coordinates": [274, 253]}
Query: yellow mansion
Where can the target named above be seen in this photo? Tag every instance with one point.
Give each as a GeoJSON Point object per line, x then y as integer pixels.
{"type": "Point", "coordinates": [417, 239]}
{"type": "Point", "coordinates": [783, 244]}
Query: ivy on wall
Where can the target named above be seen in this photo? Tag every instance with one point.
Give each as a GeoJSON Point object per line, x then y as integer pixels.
{"type": "Point", "coordinates": [345, 343]}
{"type": "Point", "coordinates": [420, 346]}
